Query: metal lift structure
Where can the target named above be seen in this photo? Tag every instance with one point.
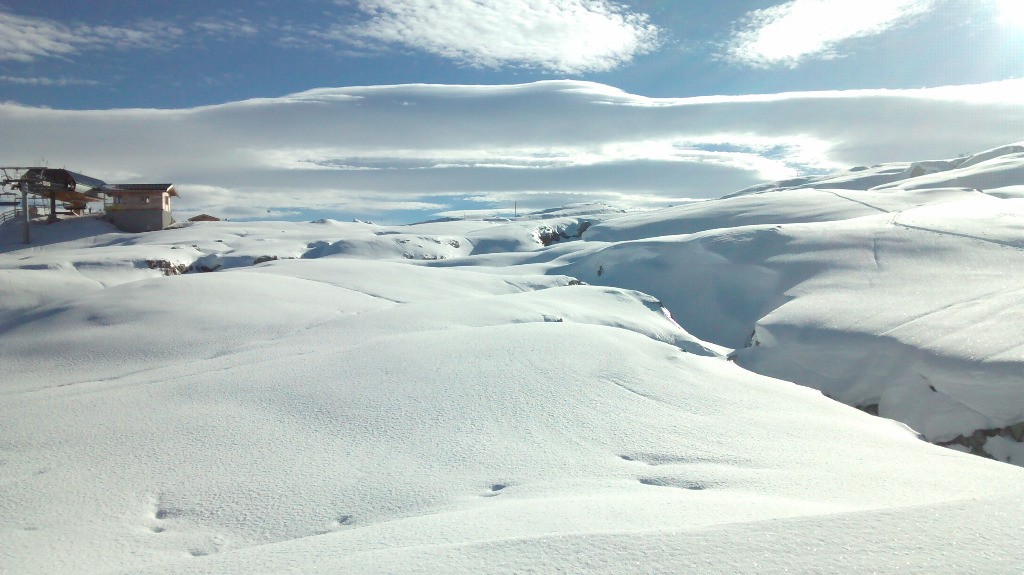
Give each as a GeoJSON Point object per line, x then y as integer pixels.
{"type": "Point", "coordinates": [52, 184]}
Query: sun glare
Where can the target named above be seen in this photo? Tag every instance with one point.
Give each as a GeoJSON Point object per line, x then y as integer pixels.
{"type": "Point", "coordinates": [1011, 12]}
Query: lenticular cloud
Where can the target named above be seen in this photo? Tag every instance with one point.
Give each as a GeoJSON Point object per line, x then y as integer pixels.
{"type": "Point", "coordinates": [569, 36]}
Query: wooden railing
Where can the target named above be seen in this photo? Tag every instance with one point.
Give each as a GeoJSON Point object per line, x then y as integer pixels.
{"type": "Point", "coordinates": [10, 215]}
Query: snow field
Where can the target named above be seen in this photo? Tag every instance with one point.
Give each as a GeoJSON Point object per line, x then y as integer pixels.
{"type": "Point", "coordinates": [447, 397]}
{"type": "Point", "coordinates": [405, 428]}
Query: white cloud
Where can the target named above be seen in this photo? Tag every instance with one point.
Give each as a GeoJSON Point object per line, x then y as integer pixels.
{"type": "Point", "coordinates": [229, 28]}
{"type": "Point", "coordinates": [567, 36]}
{"type": "Point", "coordinates": [787, 34]}
{"type": "Point", "coordinates": [256, 202]}
{"type": "Point", "coordinates": [1010, 13]}
{"type": "Point", "coordinates": [27, 39]}
{"type": "Point", "coordinates": [553, 140]}
{"type": "Point", "coordinates": [43, 81]}
{"type": "Point", "coordinates": [149, 34]}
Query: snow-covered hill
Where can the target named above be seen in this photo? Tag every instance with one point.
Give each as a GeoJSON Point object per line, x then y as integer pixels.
{"type": "Point", "coordinates": [902, 298]}
{"type": "Point", "coordinates": [997, 171]}
{"type": "Point", "coordinates": [579, 390]}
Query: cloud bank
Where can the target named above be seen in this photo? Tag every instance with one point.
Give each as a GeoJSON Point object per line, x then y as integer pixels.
{"type": "Point", "coordinates": [365, 150]}
{"type": "Point", "coordinates": [788, 34]}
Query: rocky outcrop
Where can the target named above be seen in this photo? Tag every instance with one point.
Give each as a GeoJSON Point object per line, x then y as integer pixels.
{"type": "Point", "coordinates": [548, 236]}
{"type": "Point", "coordinates": [976, 441]}
{"type": "Point", "coordinates": [167, 267]}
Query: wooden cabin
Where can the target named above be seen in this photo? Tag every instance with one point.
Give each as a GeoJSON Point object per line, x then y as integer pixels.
{"type": "Point", "coordinates": [139, 207]}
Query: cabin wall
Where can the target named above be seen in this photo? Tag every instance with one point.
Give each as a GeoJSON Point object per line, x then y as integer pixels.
{"type": "Point", "coordinates": [140, 212]}
{"type": "Point", "coordinates": [140, 220]}
{"type": "Point", "coordinates": [154, 201]}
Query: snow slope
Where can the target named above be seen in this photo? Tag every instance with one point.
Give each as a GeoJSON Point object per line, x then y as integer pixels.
{"type": "Point", "coordinates": [990, 170]}
{"type": "Point", "coordinates": [902, 298]}
{"type": "Point", "coordinates": [915, 311]}
{"type": "Point", "coordinates": [380, 399]}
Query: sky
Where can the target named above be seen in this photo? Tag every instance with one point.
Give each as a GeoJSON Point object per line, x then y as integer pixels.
{"type": "Point", "coordinates": [406, 109]}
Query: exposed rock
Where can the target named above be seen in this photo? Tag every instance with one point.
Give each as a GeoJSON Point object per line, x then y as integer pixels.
{"type": "Point", "coordinates": [167, 267]}
{"type": "Point", "coordinates": [976, 441]}
{"type": "Point", "coordinates": [264, 259]}
{"type": "Point", "coordinates": [548, 236]}
{"type": "Point", "coordinates": [872, 408]}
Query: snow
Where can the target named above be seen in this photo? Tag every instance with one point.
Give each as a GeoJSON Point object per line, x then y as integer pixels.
{"type": "Point", "coordinates": [778, 207]}
{"type": "Point", "coordinates": [657, 392]}
{"type": "Point", "coordinates": [995, 172]}
{"type": "Point", "coordinates": [870, 310]}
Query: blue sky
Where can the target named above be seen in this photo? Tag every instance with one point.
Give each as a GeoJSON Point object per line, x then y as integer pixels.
{"type": "Point", "coordinates": [113, 56]}
{"type": "Point", "coordinates": [177, 54]}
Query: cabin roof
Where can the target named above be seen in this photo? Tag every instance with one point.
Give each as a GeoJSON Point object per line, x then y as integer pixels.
{"type": "Point", "coordinates": [137, 189]}
{"type": "Point", "coordinates": [46, 182]}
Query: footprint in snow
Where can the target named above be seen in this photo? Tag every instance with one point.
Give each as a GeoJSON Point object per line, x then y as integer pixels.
{"type": "Point", "coordinates": [495, 489]}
